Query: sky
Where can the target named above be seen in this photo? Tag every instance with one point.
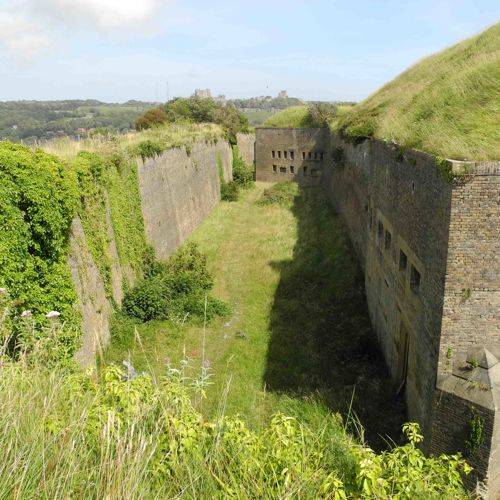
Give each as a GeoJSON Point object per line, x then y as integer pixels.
{"type": "Point", "coordinates": [116, 50]}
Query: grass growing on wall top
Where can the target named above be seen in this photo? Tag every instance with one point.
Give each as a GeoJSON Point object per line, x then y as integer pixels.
{"type": "Point", "coordinates": [292, 117]}
{"type": "Point", "coordinates": [447, 104]}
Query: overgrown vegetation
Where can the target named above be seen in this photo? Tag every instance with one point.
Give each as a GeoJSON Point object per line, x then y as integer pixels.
{"type": "Point", "coordinates": [196, 110]}
{"type": "Point", "coordinates": [242, 177]}
{"type": "Point", "coordinates": [177, 288]}
{"type": "Point", "coordinates": [38, 199]}
{"type": "Point", "coordinates": [281, 193]}
{"type": "Point", "coordinates": [315, 115]}
{"type": "Point", "coordinates": [67, 434]}
{"type": "Point", "coordinates": [447, 104]}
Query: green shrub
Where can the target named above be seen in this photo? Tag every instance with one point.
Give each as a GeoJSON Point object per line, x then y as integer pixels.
{"type": "Point", "coordinates": [177, 287]}
{"type": "Point", "coordinates": [281, 193]}
{"type": "Point", "coordinates": [148, 149]}
{"type": "Point", "coordinates": [151, 118]}
{"type": "Point", "coordinates": [229, 191]}
{"type": "Point", "coordinates": [242, 173]}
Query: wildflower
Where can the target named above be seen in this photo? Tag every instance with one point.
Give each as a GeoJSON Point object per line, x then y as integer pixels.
{"type": "Point", "coordinates": [26, 314]}
{"type": "Point", "coordinates": [206, 364]}
{"type": "Point", "coordinates": [3, 291]}
{"type": "Point", "coordinates": [53, 314]}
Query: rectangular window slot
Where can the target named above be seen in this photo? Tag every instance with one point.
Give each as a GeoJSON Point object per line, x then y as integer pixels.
{"type": "Point", "coordinates": [304, 171]}
{"type": "Point", "coordinates": [380, 230]}
{"type": "Point", "coordinates": [292, 169]}
{"type": "Point", "coordinates": [292, 155]}
{"type": "Point", "coordinates": [285, 154]}
{"type": "Point", "coordinates": [303, 155]}
{"type": "Point", "coordinates": [414, 280]}
{"type": "Point", "coordinates": [283, 170]}
{"type": "Point", "coordinates": [279, 154]}
{"type": "Point", "coordinates": [388, 239]}
{"type": "Point", "coordinates": [403, 261]}
{"type": "Point", "coordinates": [274, 154]}
{"type": "Point", "coordinates": [322, 156]}
{"type": "Point", "coordinates": [275, 169]}
{"type": "Point", "coordinates": [309, 155]}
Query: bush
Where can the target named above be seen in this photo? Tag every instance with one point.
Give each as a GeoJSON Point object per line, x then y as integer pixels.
{"type": "Point", "coordinates": [177, 287]}
{"type": "Point", "coordinates": [242, 173]}
{"type": "Point", "coordinates": [229, 191]}
{"type": "Point", "coordinates": [148, 149]}
{"type": "Point", "coordinates": [282, 193]}
{"type": "Point", "coordinates": [151, 118]}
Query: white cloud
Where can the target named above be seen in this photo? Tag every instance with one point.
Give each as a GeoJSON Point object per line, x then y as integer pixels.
{"type": "Point", "coordinates": [22, 38]}
{"type": "Point", "coordinates": [30, 27]}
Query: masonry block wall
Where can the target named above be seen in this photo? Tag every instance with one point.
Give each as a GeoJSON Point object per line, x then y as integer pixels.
{"type": "Point", "coordinates": [427, 234]}
{"type": "Point", "coordinates": [246, 147]}
{"type": "Point", "coordinates": [290, 154]}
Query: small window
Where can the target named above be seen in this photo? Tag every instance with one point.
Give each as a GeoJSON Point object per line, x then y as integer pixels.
{"type": "Point", "coordinates": [413, 187]}
{"type": "Point", "coordinates": [303, 155]}
{"type": "Point", "coordinates": [292, 155]}
{"type": "Point", "coordinates": [274, 154]}
{"type": "Point", "coordinates": [315, 155]}
{"type": "Point", "coordinates": [285, 154]}
{"type": "Point", "coordinates": [304, 170]}
{"type": "Point", "coordinates": [279, 154]}
{"type": "Point", "coordinates": [322, 156]}
{"type": "Point", "coordinates": [403, 261]}
{"type": "Point", "coordinates": [309, 155]}
{"type": "Point", "coordinates": [275, 169]}
{"type": "Point", "coordinates": [292, 169]}
{"type": "Point", "coordinates": [380, 230]}
{"type": "Point", "coordinates": [283, 170]}
{"type": "Point", "coordinates": [387, 240]}
{"type": "Point", "coordinates": [414, 280]}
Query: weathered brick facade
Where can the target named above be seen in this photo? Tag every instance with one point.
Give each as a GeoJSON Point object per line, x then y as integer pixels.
{"type": "Point", "coordinates": [428, 237]}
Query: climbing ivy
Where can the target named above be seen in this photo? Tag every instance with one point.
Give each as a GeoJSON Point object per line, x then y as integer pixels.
{"type": "Point", "coordinates": [38, 200]}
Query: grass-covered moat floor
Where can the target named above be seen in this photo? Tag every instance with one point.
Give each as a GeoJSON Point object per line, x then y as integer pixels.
{"type": "Point", "coordinates": [299, 338]}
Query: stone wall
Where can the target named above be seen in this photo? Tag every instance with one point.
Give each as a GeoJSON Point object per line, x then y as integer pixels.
{"type": "Point", "coordinates": [246, 147]}
{"type": "Point", "coordinates": [290, 154]}
{"type": "Point", "coordinates": [178, 190]}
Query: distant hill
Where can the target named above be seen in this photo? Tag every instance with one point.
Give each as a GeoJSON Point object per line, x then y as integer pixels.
{"type": "Point", "coordinates": [447, 104]}
{"type": "Point", "coordinates": [31, 121]}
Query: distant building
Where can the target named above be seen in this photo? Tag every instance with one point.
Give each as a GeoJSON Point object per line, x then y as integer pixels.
{"type": "Point", "coordinates": [283, 93]}
{"type": "Point", "coordinates": [202, 94]}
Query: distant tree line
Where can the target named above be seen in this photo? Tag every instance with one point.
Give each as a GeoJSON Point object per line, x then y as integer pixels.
{"type": "Point", "coordinates": [29, 121]}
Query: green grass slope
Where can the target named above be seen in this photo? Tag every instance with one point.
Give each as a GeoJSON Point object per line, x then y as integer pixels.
{"type": "Point", "coordinates": [447, 104]}
{"type": "Point", "coordinates": [292, 117]}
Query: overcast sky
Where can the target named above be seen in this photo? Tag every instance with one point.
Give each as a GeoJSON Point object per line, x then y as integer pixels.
{"type": "Point", "coordinates": [115, 50]}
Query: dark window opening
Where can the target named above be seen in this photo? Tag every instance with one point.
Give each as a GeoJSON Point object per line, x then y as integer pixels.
{"type": "Point", "coordinates": [292, 169]}
{"type": "Point", "coordinates": [413, 186]}
{"type": "Point", "coordinates": [380, 230]}
{"type": "Point", "coordinates": [414, 280]}
{"type": "Point", "coordinates": [388, 240]}
{"type": "Point", "coordinates": [315, 156]}
{"type": "Point", "coordinates": [292, 155]}
{"type": "Point", "coordinates": [304, 171]}
{"type": "Point", "coordinates": [309, 155]}
{"type": "Point", "coordinates": [285, 154]}
{"type": "Point", "coordinates": [403, 261]}
{"type": "Point", "coordinates": [303, 155]}
{"type": "Point", "coordinates": [274, 154]}
{"type": "Point", "coordinates": [322, 156]}
{"type": "Point", "coordinates": [283, 170]}
{"type": "Point", "coordinates": [275, 169]}
{"type": "Point", "coordinates": [279, 154]}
